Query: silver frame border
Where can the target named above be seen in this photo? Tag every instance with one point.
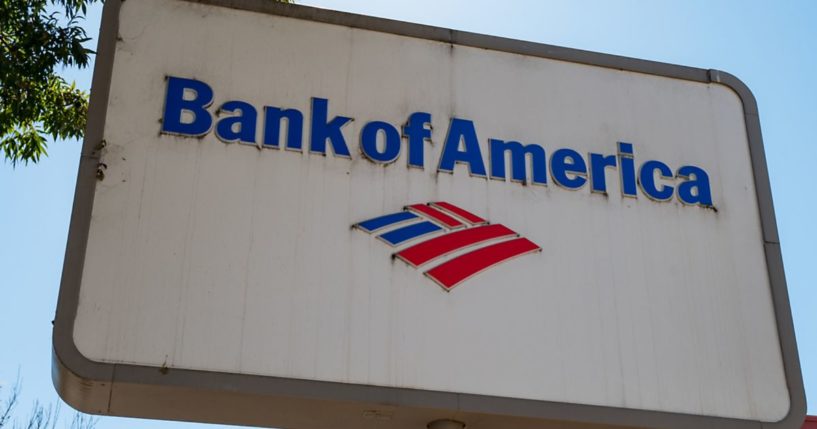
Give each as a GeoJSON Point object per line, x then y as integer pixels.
{"type": "Point", "coordinates": [90, 386]}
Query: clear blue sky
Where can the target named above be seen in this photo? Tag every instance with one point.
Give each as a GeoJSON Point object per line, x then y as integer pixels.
{"type": "Point", "coordinates": [770, 45]}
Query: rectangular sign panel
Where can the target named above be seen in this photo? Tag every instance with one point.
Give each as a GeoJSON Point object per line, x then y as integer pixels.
{"type": "Point", "coordinates": [294, 217]}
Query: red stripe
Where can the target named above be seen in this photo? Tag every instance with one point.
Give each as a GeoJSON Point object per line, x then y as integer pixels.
{"type": "Point", "coordinates": [470, 217]}
{"type": "Point", "coordinates": [436, 215]}
{"type": "Point", "coordinates": [427, 250]}
{"type": "Point", "coordinates": [451, 273]}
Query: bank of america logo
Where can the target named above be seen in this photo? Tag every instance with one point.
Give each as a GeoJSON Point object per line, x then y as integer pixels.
{"type": "Point", "coordinates": [446, 229]}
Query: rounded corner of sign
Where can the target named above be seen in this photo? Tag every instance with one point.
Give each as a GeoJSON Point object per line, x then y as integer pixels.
{"type": "Point", "coordinates": [793, 419]}
{"type": "Point", "coordinates": [66, 356]}
{"type": "Point", "coordinates": [795, 413]}
{"type": "Point", "coordinates": [83, 384]}
{"type": "Point", "coordinates": [737, 86]}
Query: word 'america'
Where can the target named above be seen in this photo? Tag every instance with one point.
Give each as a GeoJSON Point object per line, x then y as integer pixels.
{"type": "Point", "coordinates": [186, 113]}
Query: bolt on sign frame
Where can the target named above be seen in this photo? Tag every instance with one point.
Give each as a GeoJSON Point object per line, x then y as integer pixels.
{"type": "Point", "coordinates": [90, 375]}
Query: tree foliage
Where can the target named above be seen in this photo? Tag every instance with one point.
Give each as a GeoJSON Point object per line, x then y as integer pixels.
{"type": "Point", "coordinates": [40, 417]}
{"type": "Point", "coordinates": [37, 39]}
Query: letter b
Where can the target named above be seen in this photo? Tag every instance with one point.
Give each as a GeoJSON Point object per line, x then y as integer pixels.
{"type": "Point", "coordinates": [176, 104]}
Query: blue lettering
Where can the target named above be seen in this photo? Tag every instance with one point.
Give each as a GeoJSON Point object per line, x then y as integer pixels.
{"type": "Point", "coordinates": [176, 103]}
{"type": "Point", "coordinates": [462, 130]}
{"type": "Point", "coordinates": [273, 117]}
{"type": "Point", "coordinates": [323, 130]}
{"type": "Point", "coordinates": [598, 165]}
{"type": "Point", "coordinates": [646, 178]}
{"type": "Point", "coordinates": [695, 188]}
{"type": "Point", "coordinates": [186, 114]}
{"type": "Point", "coordinates": [237, 128]}
{"type": "Point", "coordinates": [368, 142]}
{"type": "Point", "coordinates": [567, 162]}
{"type": "Point", "coordinates": [417, 133]}
{"type": "Point", "coordinates": [627, 169]}
{"type": "Point", "coordinates": [519, 153]}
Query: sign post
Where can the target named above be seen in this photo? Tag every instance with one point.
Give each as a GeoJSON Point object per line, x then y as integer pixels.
{"type": "Point", "coordinates": [301, 218]}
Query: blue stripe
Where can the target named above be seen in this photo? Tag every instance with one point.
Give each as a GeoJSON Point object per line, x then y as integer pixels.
{"type": "Point", "coordinates": [385, 220]}
{"type": "Point", "coordinates": [408, 232]}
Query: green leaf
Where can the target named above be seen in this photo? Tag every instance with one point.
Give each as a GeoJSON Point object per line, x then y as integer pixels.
{"type": "Point", "coordinates": [38, 38]}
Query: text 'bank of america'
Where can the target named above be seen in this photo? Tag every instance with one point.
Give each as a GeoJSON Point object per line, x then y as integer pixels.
{"type": "Point", "coordinates": [186, 113]}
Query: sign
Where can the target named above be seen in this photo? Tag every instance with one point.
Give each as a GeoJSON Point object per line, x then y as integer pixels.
{"type": "Point", "coordinates": [293, 217]}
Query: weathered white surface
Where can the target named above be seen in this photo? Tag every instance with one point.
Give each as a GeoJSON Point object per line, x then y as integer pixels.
{"type": "Point", "coordinates": [204, 255]}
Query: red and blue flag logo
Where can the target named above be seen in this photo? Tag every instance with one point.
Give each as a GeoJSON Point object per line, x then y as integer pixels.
{"type": "Point", "coordinates": [446, 229]}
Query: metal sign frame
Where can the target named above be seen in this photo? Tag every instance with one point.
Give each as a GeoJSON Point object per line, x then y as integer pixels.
{"type": "Point", "coordinates": [178, 394]}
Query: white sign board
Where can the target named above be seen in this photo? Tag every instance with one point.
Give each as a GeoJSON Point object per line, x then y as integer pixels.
{"type": "Point", "coordinates": [302, 218]}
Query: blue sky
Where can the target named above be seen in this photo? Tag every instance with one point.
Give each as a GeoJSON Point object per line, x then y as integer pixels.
{"type": "Point", "coordinates": [771, 46]}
